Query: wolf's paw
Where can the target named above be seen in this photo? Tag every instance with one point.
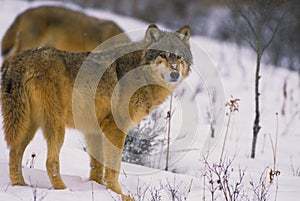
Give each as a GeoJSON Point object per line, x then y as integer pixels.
{"type": "Point", "coordinates": [19, 183]}
{"type": "Point", "coordinates": [59, 186]}
{"type": "Point", "coordinates": [126, 198]}
{"type": "Point", "coordinates": [98, 180]}
{"type": "Point", "coordinates": [17, 180]}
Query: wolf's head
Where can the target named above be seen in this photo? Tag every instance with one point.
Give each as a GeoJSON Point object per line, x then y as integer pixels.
{"type": "Point", "coordinates": [168, 53]}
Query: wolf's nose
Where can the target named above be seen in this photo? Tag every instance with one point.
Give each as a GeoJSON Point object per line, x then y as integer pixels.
{"type": "Point", "coordinates": [174, 75]}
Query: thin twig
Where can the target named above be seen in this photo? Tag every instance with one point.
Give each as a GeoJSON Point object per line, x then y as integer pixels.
{"type": "Point", "coordinates": [275, 157]}
{"type": "Point", "coordinates": [169, 133]}
{"type": "Point", "coordinates": [233, 106]}
{"type": "Point", "coordinates": [93, 196]}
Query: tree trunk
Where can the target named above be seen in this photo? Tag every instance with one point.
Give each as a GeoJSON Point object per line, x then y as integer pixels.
{"type": "Point", "coordinates": [256, 126]}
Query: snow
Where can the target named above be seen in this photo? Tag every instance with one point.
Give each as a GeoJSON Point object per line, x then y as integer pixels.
{"type": "Point", "coordinates": [231, 67]}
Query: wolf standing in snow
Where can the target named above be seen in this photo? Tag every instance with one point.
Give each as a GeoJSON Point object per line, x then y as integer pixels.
{"type": "Point", "coordinates": [39, 89]}
{"type": "Point", "coordinates": [57, 27]}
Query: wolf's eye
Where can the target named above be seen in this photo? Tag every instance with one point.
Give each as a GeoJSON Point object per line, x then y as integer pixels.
{"type": "Point", "coordinates": [163, 55]}
{"type": "Point", "coordinates": [179, 57]}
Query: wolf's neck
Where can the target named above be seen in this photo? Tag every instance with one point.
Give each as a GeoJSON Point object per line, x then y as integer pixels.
{"type": "Point", "coordinates": [145, 99]}
{"type": "Point", "coordinates": [158, 94]}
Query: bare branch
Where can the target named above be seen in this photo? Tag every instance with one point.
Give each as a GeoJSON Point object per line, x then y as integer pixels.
{"type": "Point", "coordinates": [250, 42]}
{"type": "Point", "coordinates": [274, 32]}
{"type": "Point", "coordinates": [249, 24]}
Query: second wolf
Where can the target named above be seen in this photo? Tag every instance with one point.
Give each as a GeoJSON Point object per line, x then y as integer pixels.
{"type": "Point", "coordinates": [58, 27]}
{"type": "Point", "coordinates": [53, 89]}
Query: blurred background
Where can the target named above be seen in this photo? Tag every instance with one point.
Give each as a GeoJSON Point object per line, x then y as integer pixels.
{"type": "Point", "coordinates": [213, 18]}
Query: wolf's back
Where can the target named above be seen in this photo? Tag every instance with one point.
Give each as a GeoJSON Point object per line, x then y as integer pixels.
{"type": "Point", "coordinates": [9, 38]}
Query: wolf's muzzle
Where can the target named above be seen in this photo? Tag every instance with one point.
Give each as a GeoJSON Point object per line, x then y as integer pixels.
{"type": "Point", "coordinates": [174, 76]}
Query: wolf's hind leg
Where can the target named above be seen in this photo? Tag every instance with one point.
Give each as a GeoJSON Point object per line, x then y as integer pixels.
{"type": "Point", "coordinates": [15, 158]}
{"type": "Point", "coordinates": [54, 132]}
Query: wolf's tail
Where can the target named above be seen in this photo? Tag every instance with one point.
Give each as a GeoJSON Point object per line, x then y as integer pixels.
{"type": "Point", "coordinates": [15, 105]}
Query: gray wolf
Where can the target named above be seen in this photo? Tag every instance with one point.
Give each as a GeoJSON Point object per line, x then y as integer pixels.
{"type": "Point", "coordinates": [38, 87]}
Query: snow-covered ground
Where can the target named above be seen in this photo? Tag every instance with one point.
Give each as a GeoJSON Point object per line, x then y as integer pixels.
{"type": "Point", "coordinates": [235, 74]}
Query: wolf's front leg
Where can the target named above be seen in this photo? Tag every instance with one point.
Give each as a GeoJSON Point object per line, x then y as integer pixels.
{"type": "Point", "coordinates": [94, 148]}
{"type": "Point", "coordinates": [113, 144]}
{"type": "Point", "coordinates": [97, 171]}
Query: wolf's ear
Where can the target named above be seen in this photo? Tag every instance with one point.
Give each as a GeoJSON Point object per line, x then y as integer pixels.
{"type": "Point", "coordinates": [184, 33]}
{"type": "Point", "coordinates": [152, 33]}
